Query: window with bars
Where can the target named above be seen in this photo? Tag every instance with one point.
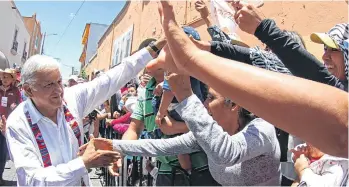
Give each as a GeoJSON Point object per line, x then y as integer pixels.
{"type": "Point", "coordinates": [37, 42]}
{"type": "Point", "coordinates": [15, 43]}
{"type": "Point", "coordinates": [25, 54]}
{"type": "Point", "coordinates": [122, 47]}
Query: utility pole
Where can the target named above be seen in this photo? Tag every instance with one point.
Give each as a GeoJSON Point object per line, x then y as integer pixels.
{"type": "Point", "coordinates": [43, 43]}
{"type": "Point", "coordinates": [72, 70]}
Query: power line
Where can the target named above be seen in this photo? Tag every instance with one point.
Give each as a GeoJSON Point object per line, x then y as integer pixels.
{"type": "Point", "coordinates": [73, 69]}
{"type": "Point", "coordinates": [69, 66]}
{"type": "Point", "coordinates": [66, 28]}
{"type": "Point", "coordinates": [66, 65]}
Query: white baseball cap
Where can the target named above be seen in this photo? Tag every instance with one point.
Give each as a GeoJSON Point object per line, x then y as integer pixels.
{"type": "Point", "coordinates": [131, 103]}
{"type": "Point", "coordinates": [81, 80]}
{"type": "Point", "coordinates": [73, 77]}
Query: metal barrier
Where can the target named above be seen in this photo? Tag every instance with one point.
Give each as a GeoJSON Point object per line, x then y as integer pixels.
{"type": "Point", "coordinates": [138, 177]}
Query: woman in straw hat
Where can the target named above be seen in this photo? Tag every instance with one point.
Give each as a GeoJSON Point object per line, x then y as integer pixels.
{"type": "Point", "coordinates": [10, 98]}
{"type": "Point", "coordinates": [10, 94]}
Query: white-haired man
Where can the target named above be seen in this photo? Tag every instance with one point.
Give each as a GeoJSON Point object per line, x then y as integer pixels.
{"type": "Point", "coordinates": [44, 133]}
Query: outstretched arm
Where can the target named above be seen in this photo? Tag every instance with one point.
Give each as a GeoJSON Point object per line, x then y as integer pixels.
{"type": "Point", "coordinates": [183, 144]}
{"type": "Point", "coordinates": [294, 56]}
{"type": "Point", "coordinates": [91, 94]}
{"type": "Point", "coordinates": [295, 105]}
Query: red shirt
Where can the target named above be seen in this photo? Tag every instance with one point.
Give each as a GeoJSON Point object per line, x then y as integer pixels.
{"type": "Point", "coordinates": [13, 96]}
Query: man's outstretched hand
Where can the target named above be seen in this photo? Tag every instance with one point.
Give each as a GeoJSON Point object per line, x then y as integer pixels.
{"type": "Point", "coordinates": [105, 146]}
{"type": "Point", "coordinates": [98, 153]}
{"type": "Point", "coordinates": [98, 143]}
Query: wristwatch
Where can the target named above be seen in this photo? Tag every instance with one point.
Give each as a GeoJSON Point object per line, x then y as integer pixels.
{"type": "Point", "coordinates": [153, 47]}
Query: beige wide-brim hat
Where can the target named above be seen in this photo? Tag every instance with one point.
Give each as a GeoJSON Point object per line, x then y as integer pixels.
{"type": "Point", "coordinates": [73, 77]}
{"type": "Point", "coordinates": [12, 72]}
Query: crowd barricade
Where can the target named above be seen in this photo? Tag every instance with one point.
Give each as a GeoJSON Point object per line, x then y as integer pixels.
{"type": "Point", "coordinates": [138, 176]}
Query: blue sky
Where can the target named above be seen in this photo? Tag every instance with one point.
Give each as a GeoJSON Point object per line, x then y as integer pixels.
{"type": "Point", "coordinates": [55, 16]}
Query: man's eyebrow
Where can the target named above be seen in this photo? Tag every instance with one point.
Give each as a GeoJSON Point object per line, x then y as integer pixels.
{"type": "Point", "coordinates": [49, 81]}
{"type": "Point", "coordinates": [45, 81]}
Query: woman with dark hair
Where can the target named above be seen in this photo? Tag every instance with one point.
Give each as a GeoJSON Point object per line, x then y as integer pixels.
{"type": "Point", "coordinates": [242, 149]}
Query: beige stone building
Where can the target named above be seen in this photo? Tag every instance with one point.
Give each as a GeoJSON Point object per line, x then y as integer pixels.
{"type": "Point", "coordinates": [139, 20]}
{"type": "Point", "coordinates": [34, 29]}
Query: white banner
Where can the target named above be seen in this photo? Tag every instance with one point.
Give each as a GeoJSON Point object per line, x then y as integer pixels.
{"type": "Point", "coordinates": [223, 15]}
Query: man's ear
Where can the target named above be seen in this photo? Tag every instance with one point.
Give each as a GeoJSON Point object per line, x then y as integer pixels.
{"type": "Point", "coordinates": [27, 90]}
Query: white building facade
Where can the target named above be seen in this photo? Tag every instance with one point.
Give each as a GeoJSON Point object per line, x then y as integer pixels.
{"type": "Point", "coordinates": [14, 37]}
{"type": "Point", "coordinates": [90, 38]}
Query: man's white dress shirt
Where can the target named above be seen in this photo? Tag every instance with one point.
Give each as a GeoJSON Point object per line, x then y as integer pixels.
{"type": "Point", "coordinates": [67, 169]}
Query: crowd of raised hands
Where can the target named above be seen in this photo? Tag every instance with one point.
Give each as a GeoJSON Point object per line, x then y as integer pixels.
{"type": "Point", "coordinates": [295, 105]}
{"type": "Point", "coordinates": [218, 112]}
